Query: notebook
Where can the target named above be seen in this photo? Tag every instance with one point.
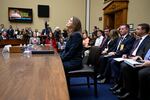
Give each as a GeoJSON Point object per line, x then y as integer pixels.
{"type": "Point", "coordinates": [133, 63]}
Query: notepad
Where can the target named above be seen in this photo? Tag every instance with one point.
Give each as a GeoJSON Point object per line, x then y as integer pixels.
{"type": "Point", "coordinates": [119, 59]}
{"type": "Point", "coordinates": [132, 62]}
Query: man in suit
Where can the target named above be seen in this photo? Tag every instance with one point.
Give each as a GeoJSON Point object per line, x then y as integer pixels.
{"type": "Point", "coordinates": [10, 32]}
{"type": "Point", "coordinates": [4, 36]}
{"type": "Point", "coordinates": [130, 74]}
{"type": "Point", "coordinates": [46, 30]}
{"type": "Point", "coordinates": [139, 49]}
{"type": "Point", "coordinates": [123, 46]}
{"type": "Point", "coordinates": [105, 39]}
{"type": "Point", "coordinates": [2, 28]}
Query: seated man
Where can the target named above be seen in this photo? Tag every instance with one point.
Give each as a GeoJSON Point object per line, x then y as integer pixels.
{"type": "Point", "coordinates": [140, 48]}
{"type": "Point", "coordinates": [4, 36]}
{"type": "Point", "coordinates": [129, 75]}
{"type": "Point", "coordinates": [144, 83]}
{"type": "Point", "coordinates": [123, 46]}
{"type": "Point", "coordinates": [136, 80]}
{"type": "Point", "coordinates": [144, 80]}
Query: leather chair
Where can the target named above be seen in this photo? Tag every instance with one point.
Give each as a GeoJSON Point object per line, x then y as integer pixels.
{"type": "Point", "coordinates": [88, 70]}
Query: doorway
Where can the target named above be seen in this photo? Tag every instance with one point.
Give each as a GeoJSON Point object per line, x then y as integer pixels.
{"type": "Point", "coordinates": [115, 14]}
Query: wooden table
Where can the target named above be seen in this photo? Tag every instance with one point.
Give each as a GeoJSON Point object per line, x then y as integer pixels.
{"type": "Point", "coordinates": [35, 77]}
{"type": "Point", "coordinates": [12, 42]}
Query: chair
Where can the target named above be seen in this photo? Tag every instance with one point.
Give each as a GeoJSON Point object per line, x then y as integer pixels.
{"type": "Point", "coordinates": [88, 70]}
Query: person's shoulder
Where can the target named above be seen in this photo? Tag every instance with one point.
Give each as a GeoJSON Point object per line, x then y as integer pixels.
{"type": "Point", "coordinates": [148, 37]}
{"type": "Point", "coordinates": [129, 37]}
{"type": "Point", "coordinates": [76, 34]}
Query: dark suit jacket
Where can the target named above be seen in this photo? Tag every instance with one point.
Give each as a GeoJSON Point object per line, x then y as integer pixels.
{"type": "Point", "coordinates": [10, 33]}
{"type": "Point", "coordinates": [72, 53]}
{"type": "Point", "coordinates": [1, 38]}
{"type": "Point", "coordinates": [131, 74]}
{"type": "Point", "coordinates": [112, 45]}
{"type": "Point", "coordinates": [144, 47]}
{"type": "Point", "coordinates": [104, 45]}
{"type": "Point", "coordinates": [46, 30]}
{"type": "Point", "coordinates": [127, 45]}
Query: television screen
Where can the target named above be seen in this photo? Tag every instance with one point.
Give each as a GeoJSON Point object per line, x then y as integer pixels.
{"type": "Point", "coordinates": [20, 15]}
{"type": "Point", "coordinates": [43, 10]}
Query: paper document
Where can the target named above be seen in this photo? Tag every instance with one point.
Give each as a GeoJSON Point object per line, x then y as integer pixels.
{"type": "Point", "coordinates": [107, 55]}
{"type": "Point", "coordinates": [119, 59]}
{"type": "Point", "coordinates": [132, 62]}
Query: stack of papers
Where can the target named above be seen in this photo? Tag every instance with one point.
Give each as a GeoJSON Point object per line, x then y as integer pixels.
{"type": "Point", "coordinates": [119, 59]}
{"type": "Point", "coordinates": [130, 62]}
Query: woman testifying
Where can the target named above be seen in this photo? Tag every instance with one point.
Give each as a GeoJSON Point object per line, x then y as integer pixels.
{"type": "Point", "coordinates": [72, 54]}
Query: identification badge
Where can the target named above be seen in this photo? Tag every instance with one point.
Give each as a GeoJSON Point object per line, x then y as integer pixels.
{"type": "Point", "coordinates": [122, 47]}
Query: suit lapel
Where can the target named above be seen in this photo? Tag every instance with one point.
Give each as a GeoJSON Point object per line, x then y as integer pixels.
{"type": "Point", "coordinates": [144, 42]}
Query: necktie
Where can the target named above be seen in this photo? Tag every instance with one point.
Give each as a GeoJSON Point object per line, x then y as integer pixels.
{"type": "Point", "coordinates": [136, 43]}
{"type": "Point", "coordinates": [103, 42]}
{"type": "Point", "coordinates": [119, 43]}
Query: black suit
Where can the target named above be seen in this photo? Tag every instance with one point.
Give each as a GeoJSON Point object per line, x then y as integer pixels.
{"type": "Point", "coordinates": [127, 42]}
{"type": "Point", "coordinates": [144, 47]}
{"type": "Point", "coordinates": [130, 74]}
{"type": "Point", "coordinates": [144, 83]}
{"type": "Point", "coordinates": [142, 50]}
{"type": "Point", "coordinates": [10, 33]}
{"type": "Point", "coordinates": [111, 45]}
{"type": "Point", "coordinates": [104, 61]}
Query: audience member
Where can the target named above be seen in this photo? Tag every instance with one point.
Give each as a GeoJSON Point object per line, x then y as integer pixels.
{"type": "Point", "coordinates": [99, 38]}
{"type": "Point", "coordinates": [37, 32]}
{"type": "Point", "coordinates": [61, 45]}
{"type": "Point", "coordinates": [46, 30]}
{"type": "Point", "coordinates": [57, 33]}
{"type": "Point", "coordinates": [2, 28]}
{"type": "Point", "coordinates": [65, 34]}
{"type": "Point", "coordinates": [86, 40]}
{"type": "Point", "coordinates": [34, 39]}
{"type": "Point", "coordinates": [4, 36]}
{"type": "Point", "coordinates": [122, 46]}
{"type": "Point", "coordinates": [10, 32]}
{"type": "Point", "coordinates": [51, 41]}
{"type": "Point", "coordinates": [92, 39]}
{"type": "Point", "coordinates": [110, 46]}
{"type": "Point", "coordinates": [129, 75]}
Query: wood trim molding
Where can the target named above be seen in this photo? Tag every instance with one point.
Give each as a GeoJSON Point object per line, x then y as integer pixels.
{"type": "Point", "coordinates": [115, 6]}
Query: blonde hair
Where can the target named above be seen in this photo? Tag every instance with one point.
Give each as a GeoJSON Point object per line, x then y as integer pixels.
{"type": "Point", "coordinates": [113, 34]}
